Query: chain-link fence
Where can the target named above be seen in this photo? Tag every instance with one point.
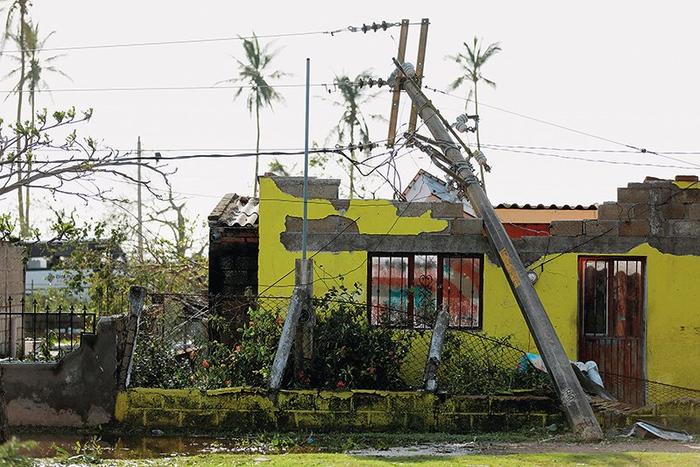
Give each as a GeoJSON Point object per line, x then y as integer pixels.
{"type": "Point", "coordinates": [211, 342]}
{"type": "Point", "coordinates": [206, 341]}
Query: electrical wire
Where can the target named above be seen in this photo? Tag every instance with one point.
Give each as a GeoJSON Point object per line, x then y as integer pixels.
{"type": "Point", "coordinates": [638, 149]}
{"type": "Point", "coordinates": [331, 32]}
{"type": "Point", "coordinates": [601, 161]}
{"type": "Point", "coordinates": [328, 86]}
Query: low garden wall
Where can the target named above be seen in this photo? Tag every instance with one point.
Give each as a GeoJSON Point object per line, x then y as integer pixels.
{"type": "Point", "coordinates": [250, 409]}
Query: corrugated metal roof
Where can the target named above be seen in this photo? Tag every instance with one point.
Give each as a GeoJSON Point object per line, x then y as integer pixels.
{"type": "Point", "coordinates": [560, 207]}
{"type": "Point", "coordinates": [236, 211]}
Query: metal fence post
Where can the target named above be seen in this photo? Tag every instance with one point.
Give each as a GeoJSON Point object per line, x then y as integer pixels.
{"type": "Point", "coordinates": [304, 341]}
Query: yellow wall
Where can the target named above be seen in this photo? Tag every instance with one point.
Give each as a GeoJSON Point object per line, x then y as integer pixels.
{"type": "Point", "coordinates": [673, 296]}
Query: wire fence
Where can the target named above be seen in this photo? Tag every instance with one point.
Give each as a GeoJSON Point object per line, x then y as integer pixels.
{"type": "Point", "coordinates": [211, 342]}
{"type": "Point", "coordinates": [207, 341]}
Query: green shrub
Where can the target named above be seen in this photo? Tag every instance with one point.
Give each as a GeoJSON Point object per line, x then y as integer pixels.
{"type": "Point", "coordinates": [481, 364]}
{"type": "Point", "coordinates": [348, 350]}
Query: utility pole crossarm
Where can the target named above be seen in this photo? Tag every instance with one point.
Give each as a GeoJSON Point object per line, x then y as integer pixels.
{"type": "Point", "coordinates": [575, 403]}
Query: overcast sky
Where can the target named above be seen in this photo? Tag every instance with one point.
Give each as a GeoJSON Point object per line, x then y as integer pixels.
{"type": "Point", "coordinates": [624, 71]}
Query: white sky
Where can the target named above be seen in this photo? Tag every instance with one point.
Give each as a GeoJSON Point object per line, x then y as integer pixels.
{"type": "Point", "coordinates": [627, 71]}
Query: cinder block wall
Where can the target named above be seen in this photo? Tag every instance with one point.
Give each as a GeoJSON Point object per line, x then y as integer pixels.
{"type": "Point", "coordinates": [248, 409]}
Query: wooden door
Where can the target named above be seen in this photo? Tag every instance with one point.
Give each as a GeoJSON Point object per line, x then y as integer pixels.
{"type": "Point", "coordinates": [611, 322]}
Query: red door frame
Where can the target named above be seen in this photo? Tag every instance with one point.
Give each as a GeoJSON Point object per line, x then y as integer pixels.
{"type": "Point", "coordinates": [630, 386]}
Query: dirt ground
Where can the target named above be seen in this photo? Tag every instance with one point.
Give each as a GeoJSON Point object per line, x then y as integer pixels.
{"type": "Point", "coordinates": [530, 447]}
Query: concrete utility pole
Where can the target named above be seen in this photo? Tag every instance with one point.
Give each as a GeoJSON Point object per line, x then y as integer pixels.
{"type": "Point", "coordinates": [576, 406]}
{"type": "Point", "coordinates": [139, 207]}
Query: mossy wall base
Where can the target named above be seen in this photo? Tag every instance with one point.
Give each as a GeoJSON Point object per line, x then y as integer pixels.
{"type": "Point", "coordinates": [250, 409]}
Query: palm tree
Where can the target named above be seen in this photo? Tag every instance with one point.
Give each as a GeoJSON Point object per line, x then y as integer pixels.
{"type": "Point", "coordinates": [34, 80]}
{"type": "Point", "coordinates": [254, 71]}
{"type": "Point", "coordinates": [471, 64]}
{"type": "Point", "coordinates": [352, 123]}
{"type": "Point", "coordinates": [21, 7]}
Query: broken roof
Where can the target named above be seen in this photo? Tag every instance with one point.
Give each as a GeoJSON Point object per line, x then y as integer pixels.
{"type": "Point", "coordinates": [235, 211]}
{"type": "Point", "coordinates": [425, 184]}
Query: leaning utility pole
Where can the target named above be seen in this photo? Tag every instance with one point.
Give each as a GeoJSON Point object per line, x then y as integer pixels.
{"type": "Point", "coordinates": [139, 207]}
{"type": "Point", "coordinates": [576, 406]}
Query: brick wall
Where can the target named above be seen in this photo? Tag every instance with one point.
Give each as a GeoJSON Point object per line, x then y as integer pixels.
{"type": "Point", "coordinates": [248, 409]}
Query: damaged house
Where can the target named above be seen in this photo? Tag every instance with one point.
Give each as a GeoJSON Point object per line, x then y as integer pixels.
{"type": "Point", "coordinates": [617, 280]}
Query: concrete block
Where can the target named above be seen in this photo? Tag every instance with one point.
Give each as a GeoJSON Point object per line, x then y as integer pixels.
{"type": "Point", "coordinates": [319, 188]}
{"type": "Point", "coordinates": [690, 195]}
{"type": "Point", "coordinates": [407, 209]}
{"type": "Point", "coordinates": [610, 211]}
{"type": "Point", "coordinates": [467, 226]}
{"type": "Point", "coordinates": [466, 404]}
{"type": "Point", "coordinates": [454, 423]}
{"type": "Point", "coordinates": [601, 227]}
{"type": "Point", "coordinates": [634, 228]}
{"type": "Point", "coordinates": [633, 195]}
{"type": "Point", "coordinates": [694, 211]}
{"type": "Point", "coordinates": [684, 228]}
{"type": "Point", "coordinates": [445, 210]}
{"type": "Point", "coordinates": [674, 210]}
{"type": "Point", "coordinates": [330, 224]}
{"type": "Point", "coordinates": [369, 401]}
{"type": "Point", "coordinates": [567, 228]}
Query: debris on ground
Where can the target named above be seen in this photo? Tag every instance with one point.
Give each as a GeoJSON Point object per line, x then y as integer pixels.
{"type": "Point", "coordinates": [642, 429]}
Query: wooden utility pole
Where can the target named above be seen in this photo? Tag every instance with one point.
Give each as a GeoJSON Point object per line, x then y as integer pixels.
{"type": "Point", "coordinates": [139, 207]}
{"type": "Point", "coordinates": [575, 404]}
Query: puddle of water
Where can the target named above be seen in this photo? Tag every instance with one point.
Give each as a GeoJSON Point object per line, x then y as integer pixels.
{"type": "Point", "coordinates": [443, 449]}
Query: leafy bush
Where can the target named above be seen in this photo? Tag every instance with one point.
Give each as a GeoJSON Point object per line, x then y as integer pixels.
{"type": "Point", "coordinates": [155, 365]}
{"type": "Point", "coordinates": [481, 364]}
{"type": "Point", "coordinates": [166, 363]}
{"type": "Point", "coordinates": [348, 350]}
{"type": "Point", "coordinates": [246, 363]}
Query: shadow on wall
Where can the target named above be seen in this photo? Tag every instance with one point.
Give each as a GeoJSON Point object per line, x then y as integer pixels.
{"type": "Point", "coordinates": [79, 390]}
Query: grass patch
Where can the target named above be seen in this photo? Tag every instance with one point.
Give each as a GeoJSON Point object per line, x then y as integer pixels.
{"type": "Point", "coordinates": [331, 460]}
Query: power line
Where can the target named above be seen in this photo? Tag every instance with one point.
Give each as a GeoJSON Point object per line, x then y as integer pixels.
{"type": "Point", "coordinates": [488, 145]}
{"type": "Point", "coordinates": [159, 158]}
{"type": "Point", "coordinates": [328, 86]}
{"type": "Point", "coordinates": [331, 32]}
{"type": "Point", "coordinates": [569, 149]}
{"type": "Point", "coordinates": [563, 127]}
{"type": "Point", "coordinates": [601, 161]}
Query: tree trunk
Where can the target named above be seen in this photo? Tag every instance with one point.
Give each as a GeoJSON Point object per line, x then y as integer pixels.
{"type": "Point", "coordinates": [27, 201]}
{"type": "Point", "coordinates": [24, 231]}
{"type": "Point", "coordinates": [478, 141]}
{"type": "Point", "coordinates": [257, 148]}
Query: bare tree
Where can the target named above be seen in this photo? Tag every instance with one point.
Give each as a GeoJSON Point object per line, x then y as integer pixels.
{"type": "Point", "coordinates": [29, 157]}
{"type": "Point", "coordinates": [181, 227]}
{"type": "Point", "coordinates": [16, 27]}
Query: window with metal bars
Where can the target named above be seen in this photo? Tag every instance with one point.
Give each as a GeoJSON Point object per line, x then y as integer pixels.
{"type": "Point", "coordinates": [611, 296]}
{"type": "Point", "coordinates": [406, 289]}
